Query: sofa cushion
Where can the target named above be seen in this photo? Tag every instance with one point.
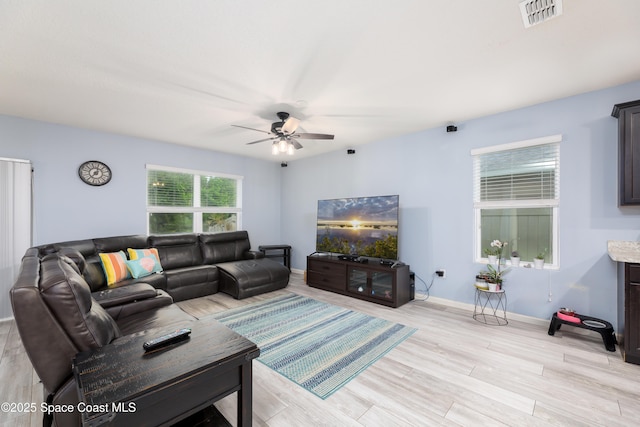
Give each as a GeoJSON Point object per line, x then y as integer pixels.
{"type": "Point", "coordinates": [192, 282]}
{"type": "Point", "coordinates": [242, 279]}
{"type": "Point", "coordinates": [68, 297]}
{"type": "Point", "coordinates": [48, 346]}
{"type": "Point", "coordinates": [119, 243]}
{"type": "Point", "coordinates": [119, 312]}
{"type": "Point", "coordinates": [158, 281]}
{"type": "Point", "coordinates": [124, 294]}
{"type": "Point", "coordinates": [76, 256]}
{"type": "Point", "coordinates": [85, 247]}
{"type": "Point", "coordinates": [92, 271]}
{"type": "Point", "coordinates": [223, 247]}
{"type": "Point", "coordinates": [177, 250]}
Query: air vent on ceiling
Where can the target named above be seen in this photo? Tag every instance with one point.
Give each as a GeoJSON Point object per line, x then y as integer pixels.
{"type": "Point", "coordinates": [538, 11]}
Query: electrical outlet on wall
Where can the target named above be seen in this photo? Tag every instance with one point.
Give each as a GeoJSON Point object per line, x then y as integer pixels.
{"type": "Point", "coordinates": [442, 273]}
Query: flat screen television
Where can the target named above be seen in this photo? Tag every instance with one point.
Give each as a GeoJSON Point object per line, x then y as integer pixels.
{"type": "Point", "coordinates": [363, 226]}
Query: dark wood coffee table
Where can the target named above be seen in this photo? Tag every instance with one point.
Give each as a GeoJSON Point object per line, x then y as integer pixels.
{"type": "Point", "coordinates": [120, 384]}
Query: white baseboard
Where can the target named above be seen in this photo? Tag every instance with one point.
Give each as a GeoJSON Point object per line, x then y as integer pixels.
{"type": "Point", "coordinates": [470, 307]}
{"type": "Point", "coordinates": [510, 316]}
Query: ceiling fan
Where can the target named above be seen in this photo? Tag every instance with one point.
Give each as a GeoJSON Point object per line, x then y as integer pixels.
{"type": "Point", "coordinates": [283, 134]}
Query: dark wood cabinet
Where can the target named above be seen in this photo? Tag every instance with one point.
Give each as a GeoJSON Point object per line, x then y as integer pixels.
{"type": "Point", "coordinates": [382, 284]}
{"type": "Point", "coordinates": [628, 115]}
{"type": "Point", "coordinates": [326, 273]}
{"type": "Point", "coordinates": [631, 332]}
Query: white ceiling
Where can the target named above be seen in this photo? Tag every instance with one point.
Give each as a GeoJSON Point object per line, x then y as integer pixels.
{"type": "Point", "coordinates": [185, 71]}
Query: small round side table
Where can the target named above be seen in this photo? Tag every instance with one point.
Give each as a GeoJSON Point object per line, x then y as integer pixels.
{"type": "Point", "coordinates": [491, 307]}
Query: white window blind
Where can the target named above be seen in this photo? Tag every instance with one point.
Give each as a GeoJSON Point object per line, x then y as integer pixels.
{"type": "Point", "coordinates": [218, 191]}
{"type": "Point", "coordinates": [169, 188]}
{"type": "Point", "coordinates": [522, 174]}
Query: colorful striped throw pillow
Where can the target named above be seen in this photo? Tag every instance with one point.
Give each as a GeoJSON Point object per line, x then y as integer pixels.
{"type": "Point", "coordinates": [114, 265]}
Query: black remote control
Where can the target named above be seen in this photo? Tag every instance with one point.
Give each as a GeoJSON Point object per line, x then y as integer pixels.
{"type": "Point", "coordinates": [176, 336]}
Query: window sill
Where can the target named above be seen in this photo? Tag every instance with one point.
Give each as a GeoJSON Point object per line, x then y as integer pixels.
{"type": "Point", "coordinates": [527, 265]}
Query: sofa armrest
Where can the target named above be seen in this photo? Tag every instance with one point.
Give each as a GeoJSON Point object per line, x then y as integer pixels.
{"type": "Point", "coordinates": [253, 255]}
{"type": "Point", "coordinates": [124, 294]}
{"type": "Point", "coordinates": [118, 312]}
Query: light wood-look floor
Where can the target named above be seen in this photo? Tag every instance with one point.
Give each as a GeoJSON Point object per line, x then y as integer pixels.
{"type": "Point", "coordinates": [453, 371]}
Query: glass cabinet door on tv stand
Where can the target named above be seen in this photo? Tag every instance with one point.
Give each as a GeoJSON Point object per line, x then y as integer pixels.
{"type": "Point", "coordinates": [376, 284]}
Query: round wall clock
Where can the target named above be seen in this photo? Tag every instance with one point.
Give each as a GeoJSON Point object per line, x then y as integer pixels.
{"type": "Point", "coordinates": [94, 172]}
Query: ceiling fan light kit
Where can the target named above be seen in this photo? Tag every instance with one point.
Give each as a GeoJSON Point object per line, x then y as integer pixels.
{"type": "Point", "coordinates": [283, 135]}
{"type": "Point", "coordinates": [283, 145]}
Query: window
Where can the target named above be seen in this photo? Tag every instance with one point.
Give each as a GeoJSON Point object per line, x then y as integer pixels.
{"type": "Point", "coordinates": [185, 201]}
{"type": "Point", "coordinates": [516, 198]}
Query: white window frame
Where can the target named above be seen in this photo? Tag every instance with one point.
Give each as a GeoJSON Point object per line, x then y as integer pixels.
{"type": "Point", "coordinates": [554, 204]}
{"type": "Point", "coordinates": [196, 209]}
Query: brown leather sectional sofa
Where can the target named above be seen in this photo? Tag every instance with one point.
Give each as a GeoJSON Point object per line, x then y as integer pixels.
{"type": "Point", "coordinates": [62, 305]}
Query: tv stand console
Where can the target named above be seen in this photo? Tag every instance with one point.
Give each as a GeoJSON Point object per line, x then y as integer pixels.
{"type": "Point", "coordinates": [383, 284]}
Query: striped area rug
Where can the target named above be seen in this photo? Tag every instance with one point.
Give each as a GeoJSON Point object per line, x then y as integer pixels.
{"type": "Point", "coordinates": [318, 346]}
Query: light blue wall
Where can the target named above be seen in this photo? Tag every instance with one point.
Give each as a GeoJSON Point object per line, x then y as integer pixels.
{"type": "Point", "coordinates": [67, 209]}
{"type": "Point", "coordinates": [430, 170]}
{"type": "Point", "coordinates": [432, 173]}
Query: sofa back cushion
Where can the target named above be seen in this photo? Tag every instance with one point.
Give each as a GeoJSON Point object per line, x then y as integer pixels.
{"type": "Point", "coordinates": [68, 296]}
{"type": "Point", "coordinates": [85, 247]}
{"type": "Point", "coordinates": [92, 270]}
{"type": "Point", "coordinates": [75, 256]}
{"type": "Point", "coordinates": [120, 243]}
{"type": "Point", "coordinates": [224, 247]}
{"type": "Point", "coordinates": [176, 250]}
{"type": "Point", "coordinates": [56, 316]}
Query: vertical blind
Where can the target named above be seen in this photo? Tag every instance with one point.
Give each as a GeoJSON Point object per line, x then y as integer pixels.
{"type": "Point", "coordinates": [15, 224]}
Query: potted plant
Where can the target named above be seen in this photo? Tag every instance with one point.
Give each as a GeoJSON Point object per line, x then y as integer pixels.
{"type": "Point", "coordinates": [515, 259]}
{"type": "Point", "coordinates": [481, 281]}
{"type": "Point", "coordinates": [495, 252]}
{"type": "Point", "coordinates": [538, 261]}
{"type": "Point", "coordinates": [494, 277]}
{"type": "Point", "coordinates": [491, 254]}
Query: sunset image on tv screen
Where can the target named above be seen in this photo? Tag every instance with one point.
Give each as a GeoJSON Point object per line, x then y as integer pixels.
{"type": "Point", "coordinates": [364, 226]}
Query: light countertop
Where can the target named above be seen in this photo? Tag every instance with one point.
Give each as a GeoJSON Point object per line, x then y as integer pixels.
{"type": "Point", "coordinates": [624, 251]}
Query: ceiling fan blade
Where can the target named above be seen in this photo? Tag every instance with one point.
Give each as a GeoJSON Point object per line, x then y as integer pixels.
{"type": "Point", "coordinates": [260, 140]}
{"type": "Point", "coordinates": [313, 136]}
{"type": "Point", "coordinates": [290, 125]}
{"type": "Point", "coordinates": [296, 144]}
{"type": "Point", "coordinates": [244, 127]}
